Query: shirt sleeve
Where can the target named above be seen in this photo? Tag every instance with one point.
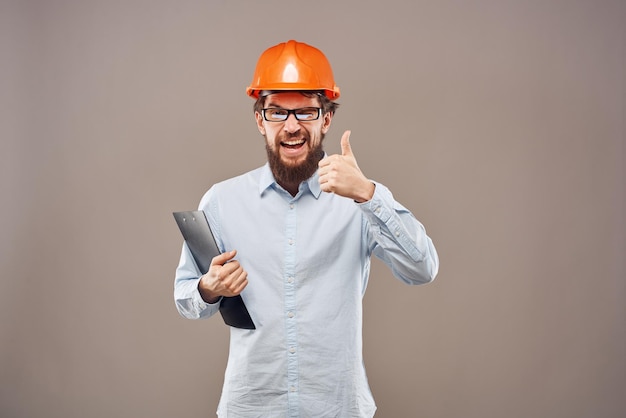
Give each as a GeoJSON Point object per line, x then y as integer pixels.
{"type": "Point", "coordinates": [399, 239]}
{"type": "Point", "coordinates": [186, 294]}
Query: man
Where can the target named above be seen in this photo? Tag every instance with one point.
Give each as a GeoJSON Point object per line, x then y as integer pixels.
{"type": "Point", "coordinates": [297, 236]}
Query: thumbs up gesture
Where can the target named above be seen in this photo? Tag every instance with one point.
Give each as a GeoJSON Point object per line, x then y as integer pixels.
{"type": "Point", "coordinates": [341, 175]}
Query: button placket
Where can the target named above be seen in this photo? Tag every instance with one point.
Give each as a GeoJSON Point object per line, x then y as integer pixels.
{"type": "Point", "coordinates": [291, 342]}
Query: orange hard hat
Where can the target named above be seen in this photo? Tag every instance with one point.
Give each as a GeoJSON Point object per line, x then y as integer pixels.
{"type": "Point", "coordinates": [293, 66]}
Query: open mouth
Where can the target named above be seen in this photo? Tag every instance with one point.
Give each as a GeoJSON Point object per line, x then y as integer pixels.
{"type": "Point", "coordinates": [293, 144]}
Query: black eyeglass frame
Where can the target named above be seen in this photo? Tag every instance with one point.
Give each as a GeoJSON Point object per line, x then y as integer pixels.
{"type": "Point", "coordinates": [292, 112]}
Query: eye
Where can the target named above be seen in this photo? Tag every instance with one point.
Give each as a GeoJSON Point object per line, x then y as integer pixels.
{"type": "Point", "coordinates": [307, 113]}
{"type": "Point", "coordinates": [277, 112]}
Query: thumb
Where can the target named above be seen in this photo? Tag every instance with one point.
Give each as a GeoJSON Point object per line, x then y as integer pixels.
{"type": "Point", "coordinates": [346, 149]}
{"type": "Point", "coordinates": [223, 258]}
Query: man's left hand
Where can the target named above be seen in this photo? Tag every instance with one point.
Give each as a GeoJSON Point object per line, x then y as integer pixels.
{"type": "Point", "coordinates": [341, 175]}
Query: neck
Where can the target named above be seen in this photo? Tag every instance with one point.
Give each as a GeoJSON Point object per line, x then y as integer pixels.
{"type": "Point", "coordinates": [292, 188]}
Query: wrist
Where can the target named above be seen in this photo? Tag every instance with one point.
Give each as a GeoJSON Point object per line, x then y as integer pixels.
{"type": "Point", "coordinates": [206, 294]}
{"type": "Point", "coordinates": [367, 193]}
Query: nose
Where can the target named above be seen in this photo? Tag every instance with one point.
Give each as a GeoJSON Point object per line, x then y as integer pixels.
{"type": "Point", "coordinates": [292, 124]}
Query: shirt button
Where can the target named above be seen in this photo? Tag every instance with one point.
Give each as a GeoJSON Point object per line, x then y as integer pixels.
{"type": "Point", "coordinates": [290, 314]}
{"type": "Point", "coordinates": [292, 350]}
{"type": "Point", "coordinates": [292, 388]}
{"type": "Point", "coordinates": [290, 242]}
{"type": "Point", "coordinates": [290, 280]}
{"type": "Point", "coordinates": [377, 210]}
{"type": "Point", "coordinates": [291, 206]}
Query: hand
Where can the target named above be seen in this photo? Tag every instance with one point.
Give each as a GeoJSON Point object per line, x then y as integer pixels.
{"type": "Point", "coordinates": [224, 278]}
{"type": "Point", "coordinates": [341, 175]}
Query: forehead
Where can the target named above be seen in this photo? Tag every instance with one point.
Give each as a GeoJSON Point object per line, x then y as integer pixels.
{"type": "Point", "coordinates": [291, 100]}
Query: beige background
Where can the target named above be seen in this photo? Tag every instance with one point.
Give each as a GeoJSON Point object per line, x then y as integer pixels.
{"type": "Point", "coordinates": [499, 123]}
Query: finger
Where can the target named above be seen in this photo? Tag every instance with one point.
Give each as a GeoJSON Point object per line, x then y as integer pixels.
{"type": "Point", "coordinates": [241, 278]}
{"type": "Point", "coordinates": [329, 160]}
{"type": "Point", "coordinates": [221, 259]}
{"type": "Point", "coordinates": [238, 288]}
{"type": "Point", "coordinates": [230, 270]}
{"type": "Point", "coordinates": [236, 281]}
{"type": "Point", "coordinates": [346, 149]}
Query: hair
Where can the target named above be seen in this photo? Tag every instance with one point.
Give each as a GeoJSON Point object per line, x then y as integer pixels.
{"type": "Point", "coordinates": [327, 105]}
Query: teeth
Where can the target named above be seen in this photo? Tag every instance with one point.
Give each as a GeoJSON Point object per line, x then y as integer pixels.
{"type": "Point", "coordinates": [293, 142]}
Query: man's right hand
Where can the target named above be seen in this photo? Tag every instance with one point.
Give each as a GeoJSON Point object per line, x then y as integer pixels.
{"type": "Point", "coordinates": [224, 278]}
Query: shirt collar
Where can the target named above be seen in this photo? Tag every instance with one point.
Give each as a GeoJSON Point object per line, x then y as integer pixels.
{"type": "Point", "coordinates": [267, 180]}
{"type": "Point", "coordinates": [314, 185]}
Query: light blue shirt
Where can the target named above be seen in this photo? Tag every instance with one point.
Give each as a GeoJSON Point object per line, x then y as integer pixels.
{"type": "Point", "coordinates": [308, 263]}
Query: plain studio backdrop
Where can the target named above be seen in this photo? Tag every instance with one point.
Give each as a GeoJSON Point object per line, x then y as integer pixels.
{"type": "Point", "coordinates": [500, 124]}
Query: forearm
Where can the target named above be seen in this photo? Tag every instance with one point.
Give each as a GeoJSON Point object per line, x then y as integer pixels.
{"type": "Point", "coordinates": [399, 239]}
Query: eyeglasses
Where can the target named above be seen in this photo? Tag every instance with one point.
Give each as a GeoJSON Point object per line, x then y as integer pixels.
{"type": "Point", "coordinates": [305, 114]}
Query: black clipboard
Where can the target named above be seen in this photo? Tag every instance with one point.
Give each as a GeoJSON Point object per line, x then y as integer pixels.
{"type": "Point", "coordinates": [201, 242]}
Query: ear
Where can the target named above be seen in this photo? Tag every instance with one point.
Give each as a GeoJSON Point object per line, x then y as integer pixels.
{"type": "Point", "coordinates": [259, 122]}
{"type": "Point", "coordinates": [328, 118]}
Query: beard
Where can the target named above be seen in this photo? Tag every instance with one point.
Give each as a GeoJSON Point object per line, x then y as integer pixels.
{"type": "Point", "coordinates": [294, 174]}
